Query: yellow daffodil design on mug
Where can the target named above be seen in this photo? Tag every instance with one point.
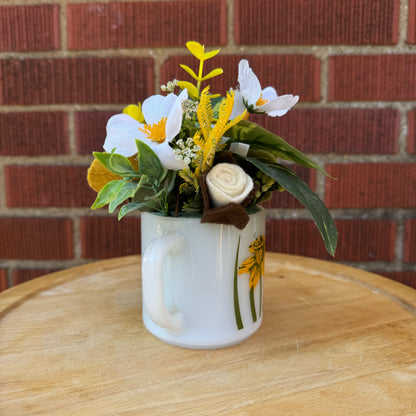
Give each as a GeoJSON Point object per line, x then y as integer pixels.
{"type": "Point", "coordinates": [254, 266]}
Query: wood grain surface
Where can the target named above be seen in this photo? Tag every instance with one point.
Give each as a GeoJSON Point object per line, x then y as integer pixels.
{"type": "Point", "coordinates": [334, 341]}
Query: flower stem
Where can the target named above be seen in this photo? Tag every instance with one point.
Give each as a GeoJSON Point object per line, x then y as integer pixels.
{"type": "Point", "coordinates": [253, 305]}
{"type": "Point", "coordinates": [237, 312]}
{"type": "Point", "coordinates": [261, 295]}
{"type": "Point", "coordinates": [201, 67]}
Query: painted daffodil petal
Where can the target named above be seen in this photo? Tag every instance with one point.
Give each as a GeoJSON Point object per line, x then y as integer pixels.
{"type": "Point", "coordinates": [167, 158]}
{"type": "Point", "coordinates": [280, 105]}
{"type": "Point", "coordinates": [249, 83]}
{"type": "Point", "coordinates": [157, 106]}
{"type": "Point", "coordinates": [122, 130]}
{"type": "Point", "coordinates": [174, 121]}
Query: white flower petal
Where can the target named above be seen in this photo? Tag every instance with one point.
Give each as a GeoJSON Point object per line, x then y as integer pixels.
{"type": "Point", "coordinates": [238, 107]}
{"type": "Point", "coordinates": [249, 83]}
{"type": "Point", "coordinates": [157, 106]}
{"type": "Point", "coordinates": [167, 157]}
{"type": "Point", "coordinates": [280, 105]}
{"type": "Point", "coordinates": [174, 121]}
{"type": "Point", "coordinates": [269, 93]}
{"type": "Point", "coordinates": [122, 131]}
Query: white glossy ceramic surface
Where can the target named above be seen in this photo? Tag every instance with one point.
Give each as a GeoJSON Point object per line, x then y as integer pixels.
{"type": "Point", "coordinates": [188, 279]}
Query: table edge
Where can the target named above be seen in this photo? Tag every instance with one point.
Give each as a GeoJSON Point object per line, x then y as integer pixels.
{"type": "Point", "coordinates": [395, 291]}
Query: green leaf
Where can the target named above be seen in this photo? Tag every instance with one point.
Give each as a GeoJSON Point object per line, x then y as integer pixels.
{"type": "Point", "coordinates": [261, 139]}
{"type": "Point", "coordinates": [108, 193]}
{"type": "Point", "coordinates": [103, 158]}
{"type": "Point", "coordinates": [301, 191]}
{"type": "Point", "coordinates": [116, 163]}
{"type": "Point", "coordinates": [149, 163]}
{"type": "Point", "coordinates": [126, 191]}
{"type": "Point", "coordinates": [121, 165]}
{"type": "Point", "coordinates": [132, 206]}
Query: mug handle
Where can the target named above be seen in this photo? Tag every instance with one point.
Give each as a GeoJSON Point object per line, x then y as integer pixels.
{"type": "Point", "coordinates": [152, 281]}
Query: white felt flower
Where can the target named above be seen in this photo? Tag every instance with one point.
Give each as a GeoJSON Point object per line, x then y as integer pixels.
{"type": "Point", "coordinates": [228, 183]}
{"type": "Point", "coordinates": [163, 115]}
{"type": "Point", "coordinates": [251, 96]}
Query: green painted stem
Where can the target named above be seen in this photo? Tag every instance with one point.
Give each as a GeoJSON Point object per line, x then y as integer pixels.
{"type": "Point", "coordinates": [261, 295]}
{"type": "Point", "coordinates": [237, 312]}
{"type": "Point", "coordinates": [253, 305]}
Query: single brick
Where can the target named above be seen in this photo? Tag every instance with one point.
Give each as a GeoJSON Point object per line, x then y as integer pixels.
{"type": "Point", "coordinates": [75, 80]}
{"type": "Point", "coordinates": [3, 280]}
{"type": "Point", "coordinates": [411, 23]}
{"type": "Point", "coordinates": [90, 130]}
{"type": "Point", "coordinates": [359, 240]}
{"type": "Point", "coordinates": [288, 74]}
{"type": "Point", "coordinates": [104, 237]}
{"type": "Point", "coordinates": [372, 77]}
{"type": "Point", "coordinates": [411, 131]}
{"type": "Point", "coordinates": [24, 275]}
{"type": "Point", "coordinates": [36, 238]}
{"type": "Point", "coordinates": [146, 24]}
{"type": "Point", "coordinates": [285, 199]}
{"type": "Point", "coordinates": [47, 186]}
{"type": "Point", "coordinates": [337, 130]}
{"type": "Point", "coordinates": [407, 277]}
{"type": "Point", "coordinates": [288, 22]}
{"type": "Point", "coordinates": [371, 185]}
{"type": "Point", "coordinates": [34, 133]}
{"type": "Point", "coordinates": [409, 252]}
{"type": "Point", "coordinates": [29, 28]}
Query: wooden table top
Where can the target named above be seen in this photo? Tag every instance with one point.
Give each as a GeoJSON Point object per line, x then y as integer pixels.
{"type": "Point", "coordinates": [334, 341]}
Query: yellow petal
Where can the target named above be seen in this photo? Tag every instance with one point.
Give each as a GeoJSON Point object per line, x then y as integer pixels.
{"type": "Point", "coordinates": [213, 73]}
{"type": "Point", "coordinates": [211, 54]}
{"type": "Point", "coordinates": [196, 49]}
{"type": "Point", "coordinates": [189, 71]}
{"type": "Point", "coordinates": [192, 90]}
{"type": "Point", "coordinates": [134, 111]}
{"type": "Point", "coordinates": [98, 176]}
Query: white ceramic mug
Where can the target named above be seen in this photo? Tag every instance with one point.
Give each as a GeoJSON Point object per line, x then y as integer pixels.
{"type": "Point", "coordinates": [202, 283]}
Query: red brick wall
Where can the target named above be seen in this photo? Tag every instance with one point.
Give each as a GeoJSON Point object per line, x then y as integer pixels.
{"type": "Point", "coordinates": [67, 66]}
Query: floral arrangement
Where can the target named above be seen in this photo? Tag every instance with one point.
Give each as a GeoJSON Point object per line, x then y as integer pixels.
{"type": "Point", "coordinates": [196, 153]}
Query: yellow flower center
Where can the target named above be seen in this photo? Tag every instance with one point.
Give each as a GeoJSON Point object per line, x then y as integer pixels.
{"type": "Point", "coordinates": [261, 101]}
{"type": "Point", "coordinates": [156, 131]}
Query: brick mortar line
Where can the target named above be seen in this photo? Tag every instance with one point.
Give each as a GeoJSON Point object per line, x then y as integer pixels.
{"type": "Point", "coordinates": [2, 185]}
{"type": "Point", "coordinates": [229, 49]}
{"type": "Point", "coordinates": [320, 158]}
{"type": "Point", "coordinates": [392, 214]}
{"type": "Point", "coordinates": [230, 25]}
{"type": "Point", "coordinates": [63, 24]}
{"type": "Point", "coordinates": [46, 2]}
{"type": "Point", "coordinates": [76, 227]}
{"type": "Point", "coordinates": [48, 160]}
{"type": "Point", "coordinates": [16, 264]}
{"type": "Point", "coordinates": [379, 266]}
{"type": "Point", "coordinates": [71, 134]}
{"type": "Point", "coordinates": [403, 21]}
{"type": "Point", "coordinates": [79, 107]}
{"type": "Point", "coordinates": [400, 238]}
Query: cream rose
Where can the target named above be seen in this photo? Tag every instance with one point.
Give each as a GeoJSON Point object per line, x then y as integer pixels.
{"type": "Point", "coordinates": [228, 183]}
